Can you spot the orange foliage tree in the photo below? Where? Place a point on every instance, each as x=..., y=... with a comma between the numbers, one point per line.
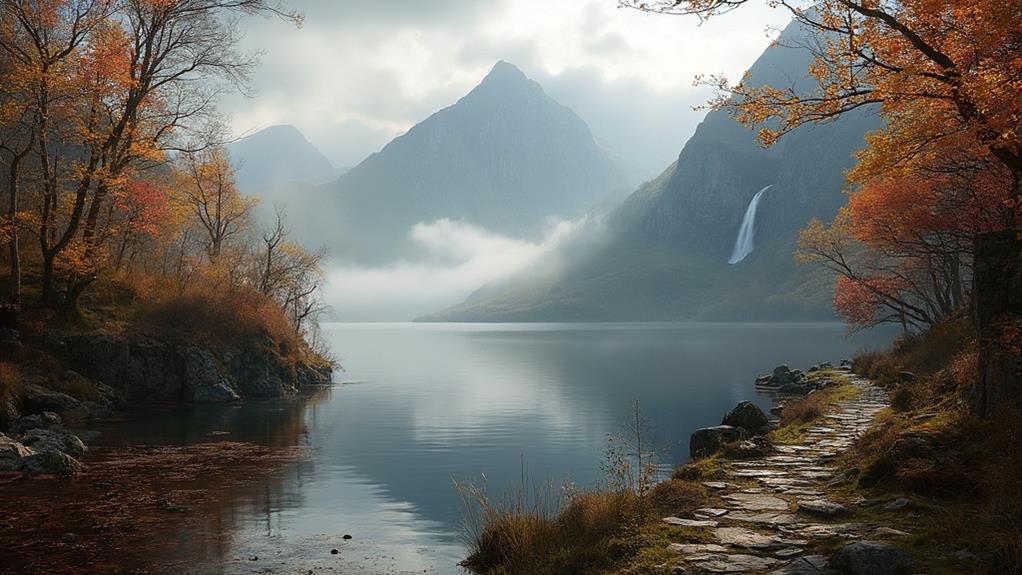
x=100, y=91
x=947, y=165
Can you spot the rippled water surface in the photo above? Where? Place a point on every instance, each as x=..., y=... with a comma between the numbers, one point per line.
x=420, y=405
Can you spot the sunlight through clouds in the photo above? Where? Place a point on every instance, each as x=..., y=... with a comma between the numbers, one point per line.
x=357, y=75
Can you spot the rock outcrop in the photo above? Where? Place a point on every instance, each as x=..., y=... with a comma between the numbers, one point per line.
x=38, y=399
x=54, y=439
x=52, y=451
x=50, y=462
x=143, y=368
x=748, y=416
x=709, y=440
x=12, y=454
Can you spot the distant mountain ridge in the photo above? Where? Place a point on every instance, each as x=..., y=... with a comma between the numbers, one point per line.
x=505, y=157
x=275, y=155
x=667, y=246
x=279, y=165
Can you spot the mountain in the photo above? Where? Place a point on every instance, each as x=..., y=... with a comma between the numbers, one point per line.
x=505, y=157
x=277, y=163
x=275, y=155
x=665, y=250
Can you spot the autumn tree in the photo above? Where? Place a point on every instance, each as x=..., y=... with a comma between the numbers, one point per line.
x=942, y=175
x=208, y=191
x=290, y=274
x=113, y=86
x=40, y=44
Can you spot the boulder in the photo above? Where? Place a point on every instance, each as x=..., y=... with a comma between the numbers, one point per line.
x=911, y=445
x=782, y=375
x=44, y=420
x=50, y=463
x=12, y=454
x=38, y=399
x=752, y=448
x=54, y=439
x=746, y=415
x=709, y=440
x=872, y=558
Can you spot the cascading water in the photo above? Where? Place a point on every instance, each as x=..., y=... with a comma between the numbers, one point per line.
x=743, y=243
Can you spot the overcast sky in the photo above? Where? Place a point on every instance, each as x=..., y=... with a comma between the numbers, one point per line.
x=359, y=73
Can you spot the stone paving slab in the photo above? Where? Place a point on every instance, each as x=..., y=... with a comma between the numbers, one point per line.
x=777, y=505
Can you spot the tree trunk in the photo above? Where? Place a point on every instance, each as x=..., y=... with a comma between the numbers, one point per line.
x=997, y=292
x=74, y=293
x=47, y=289
x=12, y=212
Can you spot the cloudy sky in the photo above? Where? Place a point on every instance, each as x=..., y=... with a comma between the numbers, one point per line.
x=359, y=73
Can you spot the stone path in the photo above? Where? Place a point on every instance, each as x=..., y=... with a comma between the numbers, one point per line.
x=773, y=511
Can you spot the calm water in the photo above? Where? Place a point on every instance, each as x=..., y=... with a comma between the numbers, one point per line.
x=419, y=405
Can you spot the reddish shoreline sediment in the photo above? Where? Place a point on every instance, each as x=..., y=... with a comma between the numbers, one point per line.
x=135, y=510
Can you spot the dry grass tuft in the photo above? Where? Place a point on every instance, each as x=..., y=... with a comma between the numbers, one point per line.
x=587, y=533
x=968, y=478
x=202, y=313
x=703, y=469
x=677, y=497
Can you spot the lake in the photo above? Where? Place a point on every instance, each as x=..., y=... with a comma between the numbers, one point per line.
x=420, y=405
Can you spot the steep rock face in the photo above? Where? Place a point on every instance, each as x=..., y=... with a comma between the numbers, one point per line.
x=147, y=369
x=505, y=157
x=669, y=242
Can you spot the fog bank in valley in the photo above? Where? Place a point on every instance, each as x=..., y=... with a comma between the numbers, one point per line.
x=458, y=257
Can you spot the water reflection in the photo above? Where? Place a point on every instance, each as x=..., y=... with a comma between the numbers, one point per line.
x=437, y=402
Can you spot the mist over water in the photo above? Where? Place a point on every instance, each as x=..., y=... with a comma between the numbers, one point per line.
x=455, y=258
x=747, y=231
x=419, y=405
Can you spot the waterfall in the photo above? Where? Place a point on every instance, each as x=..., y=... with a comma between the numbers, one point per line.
x=743, y=243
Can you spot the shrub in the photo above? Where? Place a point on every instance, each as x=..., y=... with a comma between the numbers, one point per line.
x=880, y=367
x=677, y=497
x=521, y=535
x=704, y=469
x=901, y=398
x=222, y=316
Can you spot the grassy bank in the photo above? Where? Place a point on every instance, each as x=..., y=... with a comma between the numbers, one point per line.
x=961, y=479
x=963, y=476
x=615, y=531
x=216, y=317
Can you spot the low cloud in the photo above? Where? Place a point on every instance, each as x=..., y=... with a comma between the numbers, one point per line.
x=461, y=258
